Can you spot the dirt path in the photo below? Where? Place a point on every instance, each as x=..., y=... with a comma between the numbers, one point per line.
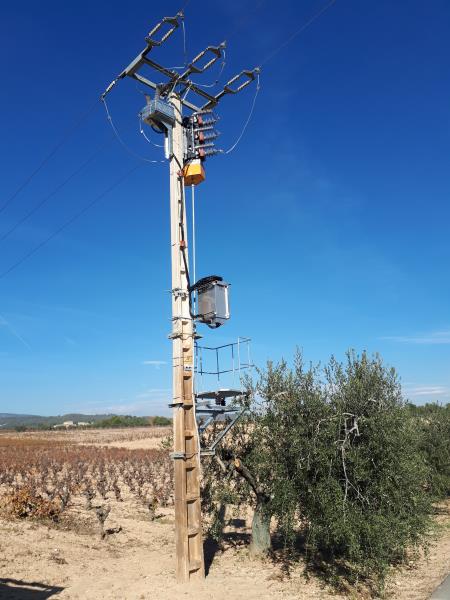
x=71, y=562
x=418, y=580
x=138, y=563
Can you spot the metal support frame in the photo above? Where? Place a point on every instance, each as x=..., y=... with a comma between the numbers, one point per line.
x=174, y=79
x=211, y=450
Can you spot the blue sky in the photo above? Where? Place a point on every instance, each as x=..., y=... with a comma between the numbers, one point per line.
x=330, y=219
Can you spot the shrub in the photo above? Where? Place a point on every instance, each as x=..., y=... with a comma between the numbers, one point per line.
x=161, y=421
x=123, y=421
x=25, y=503
x=433, y=422
x=336, y=450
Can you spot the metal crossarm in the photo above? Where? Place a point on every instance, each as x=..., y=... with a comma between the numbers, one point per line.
x=211, y=54
x=151, y=43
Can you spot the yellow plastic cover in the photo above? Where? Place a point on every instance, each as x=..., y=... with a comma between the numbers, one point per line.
x=194, y=173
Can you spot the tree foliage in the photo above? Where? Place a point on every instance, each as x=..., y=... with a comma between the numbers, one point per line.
x=333, y=453
x=433, y=422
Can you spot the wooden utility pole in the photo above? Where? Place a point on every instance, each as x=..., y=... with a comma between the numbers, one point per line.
x=157, y=113
x=188, y=526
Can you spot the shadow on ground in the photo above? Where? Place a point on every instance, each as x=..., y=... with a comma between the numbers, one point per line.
x=230, y=540
x=14, y=589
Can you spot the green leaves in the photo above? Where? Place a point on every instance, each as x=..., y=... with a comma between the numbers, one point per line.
x=341, y=456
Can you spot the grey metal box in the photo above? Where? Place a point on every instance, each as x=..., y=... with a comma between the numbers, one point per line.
x=158, y=110
x=213, y=303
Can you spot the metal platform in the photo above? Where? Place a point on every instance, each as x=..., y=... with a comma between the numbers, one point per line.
x=220, y=396
x=214, y=404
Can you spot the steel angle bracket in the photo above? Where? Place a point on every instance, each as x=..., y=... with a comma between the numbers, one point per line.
x=130, y=70
x=175, y=455
x=193, y=67
x=210, y=450
x=151, y=43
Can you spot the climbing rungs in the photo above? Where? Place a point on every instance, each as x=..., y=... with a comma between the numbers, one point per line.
x=192, y=497
x=193, y=531
x=188, y=433
x=195, y=565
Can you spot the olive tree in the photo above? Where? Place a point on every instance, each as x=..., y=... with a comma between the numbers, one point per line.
x=331, y=451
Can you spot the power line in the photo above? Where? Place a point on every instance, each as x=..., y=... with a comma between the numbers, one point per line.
x=245, y=19
x=248, y=118
x=58, y=146
x=120, y=140
x=51, y=194
x=68, y=222
x=146, y=138
x=298, y=31
x=272, y=54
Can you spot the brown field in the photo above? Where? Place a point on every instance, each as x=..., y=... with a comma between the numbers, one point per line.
x=59, y=542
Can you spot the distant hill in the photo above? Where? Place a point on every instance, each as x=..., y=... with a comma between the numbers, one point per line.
x=14, y=421
x=11, y=420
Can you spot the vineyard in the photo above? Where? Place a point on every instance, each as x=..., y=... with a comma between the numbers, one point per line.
x=94, y=519
x=46, y=479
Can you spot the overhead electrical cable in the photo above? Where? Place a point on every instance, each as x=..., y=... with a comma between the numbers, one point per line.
x=52, y=153
x=69, y=222
x=309, y=22
x=120, y=140
x=297, y=32
x=184, y=65
x=219, y=75
x=248, y=118
x=245, y=19
x=146, y=138
x=53, y=193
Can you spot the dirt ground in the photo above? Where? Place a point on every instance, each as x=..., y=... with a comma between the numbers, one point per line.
x=70, y=560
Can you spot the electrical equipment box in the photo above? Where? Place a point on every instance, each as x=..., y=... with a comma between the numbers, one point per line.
x=158, y=112
x=193, y=172
x=212, y=301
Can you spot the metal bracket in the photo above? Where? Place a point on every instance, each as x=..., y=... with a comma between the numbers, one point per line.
x=173, y=78
x=174, y=404
x=176, y=455
x=210, y=450
x=180, y=293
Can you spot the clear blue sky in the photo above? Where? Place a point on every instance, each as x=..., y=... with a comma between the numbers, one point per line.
x=330, y=219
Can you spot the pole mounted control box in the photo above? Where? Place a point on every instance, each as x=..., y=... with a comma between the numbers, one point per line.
x=213, y=307
x=158, y=113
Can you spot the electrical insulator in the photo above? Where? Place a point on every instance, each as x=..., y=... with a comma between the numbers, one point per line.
x=200, y=134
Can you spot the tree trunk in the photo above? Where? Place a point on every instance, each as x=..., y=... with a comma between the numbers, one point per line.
x=261, y=542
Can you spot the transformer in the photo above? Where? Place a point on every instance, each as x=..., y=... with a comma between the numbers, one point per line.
x=212, y=301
